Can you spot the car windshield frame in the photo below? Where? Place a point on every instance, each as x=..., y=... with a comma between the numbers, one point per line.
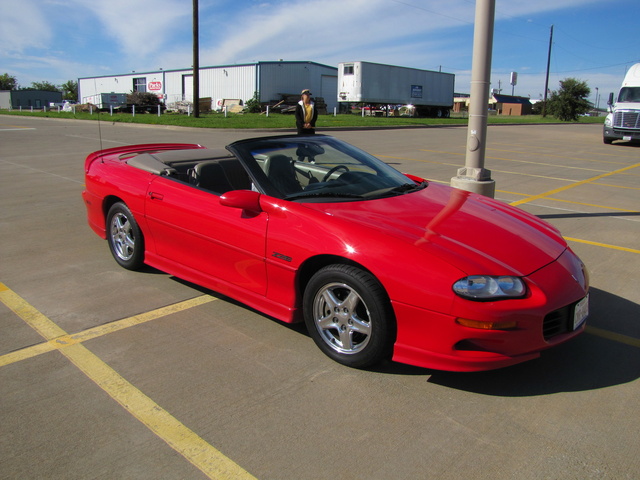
x=318, y=168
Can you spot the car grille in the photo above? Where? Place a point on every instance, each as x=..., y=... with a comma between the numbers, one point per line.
x=558, y=321
x=626, y=119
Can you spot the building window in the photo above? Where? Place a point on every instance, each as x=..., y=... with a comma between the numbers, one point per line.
x=140, y=84
x=348, y=70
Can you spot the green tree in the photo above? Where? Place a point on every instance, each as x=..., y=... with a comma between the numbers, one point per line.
x=142, y=99
x=46, y=86
x=7, y=82
x=69, y=90
x=253, y=104
x=570, y=101
x=143, y=102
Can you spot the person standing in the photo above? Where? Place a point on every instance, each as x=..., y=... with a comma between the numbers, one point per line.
x=306, y=114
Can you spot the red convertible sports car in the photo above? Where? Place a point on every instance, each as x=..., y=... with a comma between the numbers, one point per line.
x=377, y=263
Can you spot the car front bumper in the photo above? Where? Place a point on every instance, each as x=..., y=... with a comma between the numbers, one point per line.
x=552, y=313
x=612, y=133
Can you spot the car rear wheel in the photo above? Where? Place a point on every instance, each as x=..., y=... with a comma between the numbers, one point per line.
x=349, y=316
x=125, y=238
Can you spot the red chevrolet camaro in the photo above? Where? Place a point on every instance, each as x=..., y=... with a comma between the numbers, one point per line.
x=377, y=263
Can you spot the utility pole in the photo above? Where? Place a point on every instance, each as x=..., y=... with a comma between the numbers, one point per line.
x=546, y=82
x=473, y=176
x=196, y=61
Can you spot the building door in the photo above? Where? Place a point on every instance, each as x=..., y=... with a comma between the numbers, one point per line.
x=187, y=88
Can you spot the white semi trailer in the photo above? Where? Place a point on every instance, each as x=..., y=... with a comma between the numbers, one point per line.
x=431, y=93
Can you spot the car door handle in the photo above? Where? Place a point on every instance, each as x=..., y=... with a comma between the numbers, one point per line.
x=156, y=196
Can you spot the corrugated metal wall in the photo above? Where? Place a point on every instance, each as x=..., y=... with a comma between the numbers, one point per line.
x=237, y=81
x=271, y=79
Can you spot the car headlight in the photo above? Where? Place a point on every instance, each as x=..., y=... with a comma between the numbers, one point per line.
x=608, y=121
x=487, y=287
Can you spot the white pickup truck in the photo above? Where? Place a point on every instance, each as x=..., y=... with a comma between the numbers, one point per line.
x=623, y=120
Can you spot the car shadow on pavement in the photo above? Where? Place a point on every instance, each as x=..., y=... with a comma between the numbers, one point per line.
x=588, y=362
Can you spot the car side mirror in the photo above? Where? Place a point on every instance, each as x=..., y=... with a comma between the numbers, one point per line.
x=610, y=101
x=244, y=199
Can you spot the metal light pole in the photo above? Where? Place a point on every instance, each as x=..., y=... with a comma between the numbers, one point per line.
x=196, y=61
x=473, y=177
x=546, y=82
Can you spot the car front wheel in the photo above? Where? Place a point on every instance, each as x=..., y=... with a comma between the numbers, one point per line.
x=125, y=238
x=349, y=316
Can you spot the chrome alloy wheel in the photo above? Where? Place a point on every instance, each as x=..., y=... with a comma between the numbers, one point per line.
x=122, y=236
x=342, y=318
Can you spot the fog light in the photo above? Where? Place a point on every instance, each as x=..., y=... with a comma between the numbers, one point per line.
x=487, y=325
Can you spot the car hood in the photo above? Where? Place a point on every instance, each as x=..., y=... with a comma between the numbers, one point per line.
x=476, y=234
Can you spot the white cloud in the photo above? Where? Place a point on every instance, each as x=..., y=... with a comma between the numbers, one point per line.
x=325, y=29
x=61, y=39
x=140, y=28
x=22, y=26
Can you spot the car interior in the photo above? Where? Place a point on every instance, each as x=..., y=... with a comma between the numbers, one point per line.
x=218, y=172
x=287, y=171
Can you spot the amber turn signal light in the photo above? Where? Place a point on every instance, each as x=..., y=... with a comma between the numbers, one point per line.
x=487, y=325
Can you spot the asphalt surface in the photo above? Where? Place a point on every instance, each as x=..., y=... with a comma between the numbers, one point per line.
x=112, y=374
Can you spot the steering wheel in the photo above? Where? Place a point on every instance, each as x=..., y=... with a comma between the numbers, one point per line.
x=333, y=170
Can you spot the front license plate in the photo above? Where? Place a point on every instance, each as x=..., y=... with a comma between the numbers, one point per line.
x=627, y=138
x=581, y=312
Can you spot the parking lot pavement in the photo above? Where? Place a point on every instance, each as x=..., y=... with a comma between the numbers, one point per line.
x=107, y=373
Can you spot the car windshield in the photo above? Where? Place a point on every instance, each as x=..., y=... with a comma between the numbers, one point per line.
x=319, y=168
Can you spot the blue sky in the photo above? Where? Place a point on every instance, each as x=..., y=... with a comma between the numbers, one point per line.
x=59, y=40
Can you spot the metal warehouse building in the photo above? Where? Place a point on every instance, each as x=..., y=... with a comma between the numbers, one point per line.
x=270, y=79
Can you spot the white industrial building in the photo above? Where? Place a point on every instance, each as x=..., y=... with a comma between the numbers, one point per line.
x=270, y=79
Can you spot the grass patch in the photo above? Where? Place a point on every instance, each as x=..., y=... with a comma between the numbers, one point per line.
x=280, y=121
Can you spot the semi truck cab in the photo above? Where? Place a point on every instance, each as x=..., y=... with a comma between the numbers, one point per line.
x=623, y=120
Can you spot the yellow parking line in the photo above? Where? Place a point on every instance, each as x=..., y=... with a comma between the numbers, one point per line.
x=66, y=340
x=605, y=245
x=14, y=127
x=528, y=148
x=544, y=164
x=616, y=337
x=592, y=205
x=540, y=154
x=523, y=161
x=183, y=440
x=493, y=170
x=576, y=184
x=614, y=186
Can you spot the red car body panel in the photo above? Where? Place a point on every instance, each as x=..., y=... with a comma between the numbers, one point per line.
x=416, y=245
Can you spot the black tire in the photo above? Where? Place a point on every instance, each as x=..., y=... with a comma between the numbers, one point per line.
x=607, y=140
x=125, y=238
x=349, y=316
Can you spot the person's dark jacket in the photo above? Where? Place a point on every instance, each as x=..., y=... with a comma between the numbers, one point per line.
x=300, y=118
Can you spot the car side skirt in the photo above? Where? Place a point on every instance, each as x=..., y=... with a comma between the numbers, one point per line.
x=259, y=302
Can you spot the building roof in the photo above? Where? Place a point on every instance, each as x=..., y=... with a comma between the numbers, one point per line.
x=293, y=62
